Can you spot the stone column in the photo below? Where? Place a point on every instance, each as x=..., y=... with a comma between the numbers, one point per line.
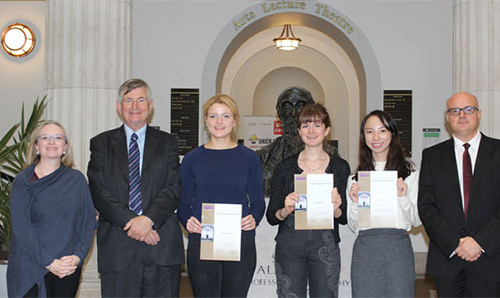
x=88, y=56
x=477, y=58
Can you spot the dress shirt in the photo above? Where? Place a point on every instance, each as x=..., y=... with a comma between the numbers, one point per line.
x=141, y=138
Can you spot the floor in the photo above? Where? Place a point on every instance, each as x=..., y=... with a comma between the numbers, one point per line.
x=424, y=287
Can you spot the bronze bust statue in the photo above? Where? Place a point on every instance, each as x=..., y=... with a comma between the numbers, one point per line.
x=290, y=103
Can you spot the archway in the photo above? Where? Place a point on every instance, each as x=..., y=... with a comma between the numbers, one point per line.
x=250, y=33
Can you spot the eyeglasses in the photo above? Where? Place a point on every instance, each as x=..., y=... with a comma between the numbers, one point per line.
x=57, y=138
x=468, y=110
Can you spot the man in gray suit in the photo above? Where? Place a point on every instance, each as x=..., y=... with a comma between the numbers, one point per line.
x=134, y=180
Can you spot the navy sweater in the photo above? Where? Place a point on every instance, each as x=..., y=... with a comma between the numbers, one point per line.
x=232, y=176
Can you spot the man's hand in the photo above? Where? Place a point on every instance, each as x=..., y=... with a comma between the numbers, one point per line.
x=139, y=227
x=468, y=249
x=152, y=238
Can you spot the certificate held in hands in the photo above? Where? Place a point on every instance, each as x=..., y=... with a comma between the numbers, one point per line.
x=314, y=210
x=377, y=199
x=221, y=232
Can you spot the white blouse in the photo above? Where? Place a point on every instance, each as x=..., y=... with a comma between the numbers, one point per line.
x=407, y=211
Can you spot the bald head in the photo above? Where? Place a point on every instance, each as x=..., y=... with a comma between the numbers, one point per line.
x=461, y=97
x=465, y=126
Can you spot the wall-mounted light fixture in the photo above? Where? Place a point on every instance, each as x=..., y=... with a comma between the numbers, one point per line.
x=287, y=41
x=18, y=40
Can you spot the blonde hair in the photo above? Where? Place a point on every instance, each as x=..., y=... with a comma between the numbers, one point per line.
x=227, y=101
x=33, y=158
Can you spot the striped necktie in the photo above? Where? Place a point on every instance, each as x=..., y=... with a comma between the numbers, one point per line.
x=134, y=176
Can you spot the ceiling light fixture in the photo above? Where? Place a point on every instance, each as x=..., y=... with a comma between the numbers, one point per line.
x=287, y=41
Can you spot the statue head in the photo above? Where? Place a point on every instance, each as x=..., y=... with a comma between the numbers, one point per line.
x=290, y=103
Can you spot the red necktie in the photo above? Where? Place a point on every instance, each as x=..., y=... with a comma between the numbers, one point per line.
x=467, y=176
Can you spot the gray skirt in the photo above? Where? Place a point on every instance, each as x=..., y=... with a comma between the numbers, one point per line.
x=383, y=264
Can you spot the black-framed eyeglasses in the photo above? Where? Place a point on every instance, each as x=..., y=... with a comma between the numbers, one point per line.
x=468, y=110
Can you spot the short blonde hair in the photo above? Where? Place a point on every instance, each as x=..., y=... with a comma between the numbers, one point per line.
x=230, y=103
x=33, y=158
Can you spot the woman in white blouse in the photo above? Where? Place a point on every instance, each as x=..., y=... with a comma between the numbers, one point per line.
x=382, y=259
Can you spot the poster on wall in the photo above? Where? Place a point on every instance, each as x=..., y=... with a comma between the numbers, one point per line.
x=184, y=121
x=260, y=131
x=398, y=103
x=430, y=137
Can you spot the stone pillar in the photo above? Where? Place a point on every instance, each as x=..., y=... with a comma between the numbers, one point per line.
x=88, y=56
x=477, y=58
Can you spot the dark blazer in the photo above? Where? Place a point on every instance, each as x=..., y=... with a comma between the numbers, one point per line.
x=440, y=209
x=161, y=192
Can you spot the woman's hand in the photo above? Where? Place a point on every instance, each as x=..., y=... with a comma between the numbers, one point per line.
x=248, y=223
x=290, y=203
x=290, y=200
x=336, y=201
x=353, y=192
x=402, y=187
x=74, y=260
x=193, y=226
x=61, y=268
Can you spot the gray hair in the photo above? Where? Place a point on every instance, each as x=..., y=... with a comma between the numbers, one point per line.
x=132, y=84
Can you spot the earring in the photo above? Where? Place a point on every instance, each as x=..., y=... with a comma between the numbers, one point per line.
x=37, y=153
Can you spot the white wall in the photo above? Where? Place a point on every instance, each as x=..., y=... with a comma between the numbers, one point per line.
x=21, y=79
x=413, y=42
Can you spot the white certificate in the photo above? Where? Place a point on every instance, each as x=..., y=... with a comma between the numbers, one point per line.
x=223, y=221
x=227, y=230
x=384, y=199
x=319, y=200
x=314, y=210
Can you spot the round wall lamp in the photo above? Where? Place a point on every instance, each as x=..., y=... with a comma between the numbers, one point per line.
x=18, y=40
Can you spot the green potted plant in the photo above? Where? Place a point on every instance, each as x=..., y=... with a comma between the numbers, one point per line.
x=13, y=149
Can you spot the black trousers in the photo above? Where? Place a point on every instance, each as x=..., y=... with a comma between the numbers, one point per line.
x=142, y=278
x=221, y=278
x=58, y=287
x=466, y=285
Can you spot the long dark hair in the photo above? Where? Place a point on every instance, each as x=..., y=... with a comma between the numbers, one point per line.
x=396, y=160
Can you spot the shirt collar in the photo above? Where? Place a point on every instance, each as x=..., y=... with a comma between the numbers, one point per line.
x=141, y=133
x=474, y=142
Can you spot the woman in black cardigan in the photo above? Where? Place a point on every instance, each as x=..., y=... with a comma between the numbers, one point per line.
x=307, y=256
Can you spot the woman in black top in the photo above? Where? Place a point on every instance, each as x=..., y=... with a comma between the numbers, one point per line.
x=307, y=256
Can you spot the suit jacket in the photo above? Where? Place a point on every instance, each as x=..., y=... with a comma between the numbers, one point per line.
x=441, y=211
x=161, y=192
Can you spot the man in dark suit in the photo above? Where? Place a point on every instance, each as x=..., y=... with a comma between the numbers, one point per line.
x=134, y=180
x=459, y=205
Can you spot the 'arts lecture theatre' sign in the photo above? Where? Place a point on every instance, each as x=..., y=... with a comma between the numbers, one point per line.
x=275, y=6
